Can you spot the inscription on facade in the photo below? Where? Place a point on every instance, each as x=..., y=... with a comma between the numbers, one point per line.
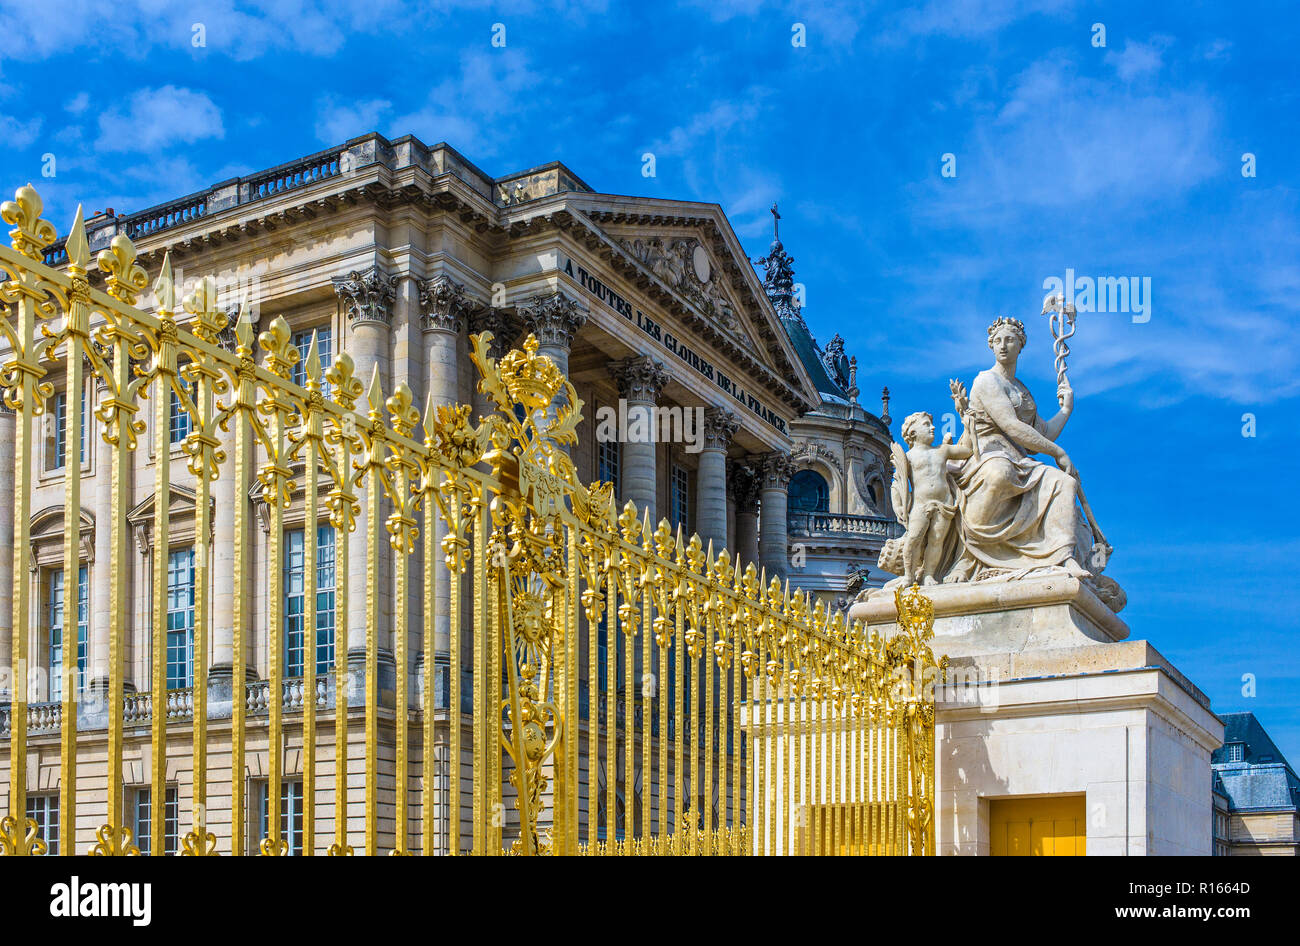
x=675, y=346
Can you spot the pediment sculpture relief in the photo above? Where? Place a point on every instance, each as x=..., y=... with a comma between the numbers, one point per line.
x=685, y=265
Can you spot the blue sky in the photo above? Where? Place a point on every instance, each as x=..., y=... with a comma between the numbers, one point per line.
x=1122, y=160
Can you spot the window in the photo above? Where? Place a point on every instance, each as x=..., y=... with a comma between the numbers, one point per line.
x=679, y=504
x=1236, y=752
x=54, y=614
x=295, y=589
x=809, y=492
x=44, y=810
x=178, y=423
x=290, y=814
x=180, y=618
x=142, y=812
x=324, y=348
x=61, y=429
x=607, y=462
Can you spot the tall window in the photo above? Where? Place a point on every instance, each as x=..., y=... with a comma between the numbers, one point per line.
x=607, y=465
x=44, y=810
x=142, y=812
x=679, y=503
x=55, y=618
x=295, y=586
x=324, y=348
x=290, y=814
x=180, y=618
x=61, y=429
x=809, y=493
x=178, y=419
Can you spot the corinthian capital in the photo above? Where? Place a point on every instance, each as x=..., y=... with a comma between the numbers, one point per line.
x=554, y=318
x=720, y=425
x=640, y=378
x=742, y=479
x=776, y=468
x=366, y=295
x=443, y=304
x=498, y=322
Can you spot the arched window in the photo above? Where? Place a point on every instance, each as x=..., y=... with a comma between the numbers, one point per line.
x=809, y=492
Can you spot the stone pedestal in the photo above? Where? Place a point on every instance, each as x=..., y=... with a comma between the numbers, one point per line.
x=1047, y=699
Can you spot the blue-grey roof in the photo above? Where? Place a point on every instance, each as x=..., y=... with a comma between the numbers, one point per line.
x=1263, y=779
x=810, y=354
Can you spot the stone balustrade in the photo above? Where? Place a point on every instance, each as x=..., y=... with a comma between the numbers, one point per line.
x=836, y=525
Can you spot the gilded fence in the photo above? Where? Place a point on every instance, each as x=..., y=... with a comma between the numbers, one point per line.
x=613, y=687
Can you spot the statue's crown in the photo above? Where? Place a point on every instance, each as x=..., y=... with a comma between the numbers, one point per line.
x=1016, y=324
x=533, y=380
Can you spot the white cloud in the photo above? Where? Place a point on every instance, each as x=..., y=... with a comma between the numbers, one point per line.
x=1137, y=60
x=968, y=18
x=78, y=103
x=18, y=134
x=156, y=118
x=336, y=123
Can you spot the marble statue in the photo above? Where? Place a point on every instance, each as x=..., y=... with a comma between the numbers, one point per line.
x=986, y=508
x=927, y=511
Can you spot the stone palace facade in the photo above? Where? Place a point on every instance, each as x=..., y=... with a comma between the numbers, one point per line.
x=396, y=252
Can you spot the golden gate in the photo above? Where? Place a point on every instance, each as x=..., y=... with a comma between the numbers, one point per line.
x=628, y=691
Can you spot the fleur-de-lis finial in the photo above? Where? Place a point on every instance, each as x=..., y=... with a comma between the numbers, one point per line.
x=202, y=304
x=126, y=278
x=30, y=234
x=281, y=353
x=343, y=381
x=401, y=410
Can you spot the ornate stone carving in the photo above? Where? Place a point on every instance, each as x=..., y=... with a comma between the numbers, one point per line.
x=553, y=318
x=443, y=304
x=720, y=425
x=684, y=265
x=775, y=470
x=498, y=322
x=778, y=274
x=807, y=452
x=836, y=362
x=366, y=296
x=743, y=480
x=639, y=378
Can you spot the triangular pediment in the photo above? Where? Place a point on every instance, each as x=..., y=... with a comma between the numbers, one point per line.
x=180, y=502
x=683, y=263
x=688, y=252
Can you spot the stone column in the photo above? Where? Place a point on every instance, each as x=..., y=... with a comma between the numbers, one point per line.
x=720, y=426
x=773, y=539
x=504, y=331
x=442, y=308
x=366, y=300
x=7, y=425
x=555, y=320
x=775, y=474
x=744, y=488
x=640, y=380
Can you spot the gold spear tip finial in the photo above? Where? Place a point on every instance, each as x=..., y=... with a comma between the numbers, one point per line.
x=78, y=246
x=164, y=286
x=313, y=360
x=375, y=394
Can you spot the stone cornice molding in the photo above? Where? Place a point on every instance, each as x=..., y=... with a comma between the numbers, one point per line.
x=444, y=305
x=720, y=426
x=366, y=295
x=553, y=318
x=807, y=452
x=639, y=378
x=775, y=469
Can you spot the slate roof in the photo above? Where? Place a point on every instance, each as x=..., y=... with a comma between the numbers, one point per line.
x=1263, y=780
